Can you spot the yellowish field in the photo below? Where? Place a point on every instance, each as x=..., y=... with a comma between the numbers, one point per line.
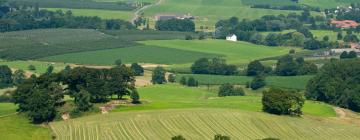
x=199, y=124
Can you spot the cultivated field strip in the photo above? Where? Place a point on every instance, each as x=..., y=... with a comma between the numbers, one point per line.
x=198, y=124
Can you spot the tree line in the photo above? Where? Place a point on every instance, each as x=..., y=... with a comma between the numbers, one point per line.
x=14, y=17
x=184, y=25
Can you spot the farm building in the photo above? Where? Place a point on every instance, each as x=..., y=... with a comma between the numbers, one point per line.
x=172, y=16
x=344, y=23
x=231, y=37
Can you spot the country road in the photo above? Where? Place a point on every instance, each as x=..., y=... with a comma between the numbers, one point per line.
x=137, y=12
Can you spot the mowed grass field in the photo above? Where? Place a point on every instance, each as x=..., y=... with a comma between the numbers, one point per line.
x=199, y=124
x=174, y=52
x=105, y=14
x=291, y=82
x=17, y=127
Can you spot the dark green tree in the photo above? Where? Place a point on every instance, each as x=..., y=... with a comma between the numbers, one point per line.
x=226, y=90
x=255, y=68
x=158, y=75
x=83, y=100
x=286, y=66
x=32, y=67
x=50, y=69
x=5, y=76
x=172, y=78
x=183, y=81
x=201, y=66
x=137, y=69
x=257, y=82
x=192, y=82
x=19, y=77
x=118, y=62
x=135, y=97
x=282, y=102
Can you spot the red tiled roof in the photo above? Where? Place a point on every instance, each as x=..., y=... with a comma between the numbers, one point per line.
x=345, y=23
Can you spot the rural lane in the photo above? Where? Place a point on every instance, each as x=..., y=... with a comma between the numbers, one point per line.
x=137, y=12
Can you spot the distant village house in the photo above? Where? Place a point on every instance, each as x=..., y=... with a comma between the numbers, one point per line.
x=231, y=37
x=345, y=24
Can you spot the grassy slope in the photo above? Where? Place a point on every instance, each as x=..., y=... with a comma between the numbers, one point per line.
x=40, y=66
x=18, y=127
x=234, y=52
x=293, y=82
x=174, y=96
x=199, y=124
x=105, y=14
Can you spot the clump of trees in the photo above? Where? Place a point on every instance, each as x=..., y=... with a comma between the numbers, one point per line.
x=258, y=82
x=137, y=69
x=255, y=68
x=282, y=102
x=158, y=76
x=337, y=83
x=40, y=97
x=288, y=66
x=172, y=78
x=184, y=25
x=216, y=66
x=346, y=55
x=190, y=82
x=230, y=90
x=15, y=17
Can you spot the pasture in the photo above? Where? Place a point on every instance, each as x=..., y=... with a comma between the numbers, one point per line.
x=18, y=127
x=291, y=82
x=104, y=14
x=327, y=3
x=40, y=66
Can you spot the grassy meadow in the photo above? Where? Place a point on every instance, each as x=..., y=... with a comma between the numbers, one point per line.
x=105, y=14
x=327, y=3
x=39, y=65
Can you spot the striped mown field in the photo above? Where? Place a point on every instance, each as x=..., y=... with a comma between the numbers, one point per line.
x=196, y=124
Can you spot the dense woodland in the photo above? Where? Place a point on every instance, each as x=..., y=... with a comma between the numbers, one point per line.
x=184, y=25
x=337, y=83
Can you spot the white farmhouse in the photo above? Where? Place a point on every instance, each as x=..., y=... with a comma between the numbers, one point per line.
x=231, y=37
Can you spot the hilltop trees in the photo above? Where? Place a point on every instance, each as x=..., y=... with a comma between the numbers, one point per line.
x=185, y=25
x=40, y=97
x=158, y=76
x=337, y=83
x=281, y=102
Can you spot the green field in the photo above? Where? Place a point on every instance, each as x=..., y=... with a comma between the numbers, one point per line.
x=105, y=14
x=292, y=82
x=140, y=54
x=327, y=3
x=18, y=127
x=179, y=97
x=235, y=52
x=174, y=52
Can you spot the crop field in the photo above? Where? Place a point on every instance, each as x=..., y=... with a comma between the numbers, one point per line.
x=34, y=44
x=292, y=82
x=105, y=14
x=199, y=124
x=140, y=54
x=234, y=52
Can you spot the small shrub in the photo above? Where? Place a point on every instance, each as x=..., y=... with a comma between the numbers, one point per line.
x=192, y=82
x=179, y=137
x=183, y=81
x=32, y=67
x=172, y=78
